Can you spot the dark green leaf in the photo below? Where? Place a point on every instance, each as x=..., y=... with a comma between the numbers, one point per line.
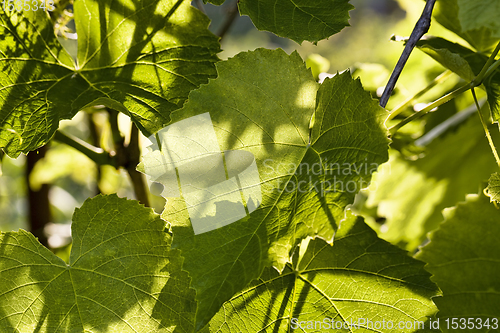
x=453, y=56
x=215, y=2
x=451, y=16
x=492, y=85
x=140, y=58
x=480, y=14
x=298, y=20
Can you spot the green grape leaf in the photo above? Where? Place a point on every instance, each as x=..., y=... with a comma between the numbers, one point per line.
x=463, y=256
x=493, y=189
x=480, y=14
x=139, y=58
x=412, y=194
x=344, y=287
x=467, y=64
x=35, y=73
x=298, y=20
x=263, y=103
x=455, y=18
x=122, y=276
x=492, y=85
x=453, y=56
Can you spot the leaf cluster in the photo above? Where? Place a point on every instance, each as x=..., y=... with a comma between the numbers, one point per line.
x=304, y=255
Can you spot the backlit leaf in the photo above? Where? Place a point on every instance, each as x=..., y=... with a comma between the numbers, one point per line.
x=360, y=284
x=122, y=276
x=463, y=256
x=493, y=190
x=141, y=58
x=262, y=102
x=412, y=194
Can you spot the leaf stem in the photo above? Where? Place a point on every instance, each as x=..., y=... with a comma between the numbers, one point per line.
x=400, y=108
x=429, y=107
x=486, y=68
x=302, y=251
x=98, y=155
x=485, y=127
x=492, y=69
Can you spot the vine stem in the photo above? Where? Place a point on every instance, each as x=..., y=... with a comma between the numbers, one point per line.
x=421, y=28
x=94, y=138
x=137, y=178
x=98, y=155
x=39, y=214
x=129, y=156
x=199, y=5
x=232, y=13
x=485, y=127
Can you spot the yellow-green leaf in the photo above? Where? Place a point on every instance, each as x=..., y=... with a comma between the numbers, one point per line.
x=122, y=276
